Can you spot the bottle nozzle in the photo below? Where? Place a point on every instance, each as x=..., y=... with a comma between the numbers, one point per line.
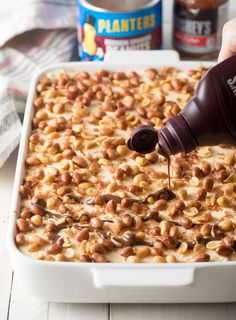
x=175, y=137
x=143, y=139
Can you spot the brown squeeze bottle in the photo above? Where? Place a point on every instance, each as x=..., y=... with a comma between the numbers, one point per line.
x=208, y=119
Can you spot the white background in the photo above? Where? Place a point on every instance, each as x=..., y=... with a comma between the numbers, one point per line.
x=15, y=305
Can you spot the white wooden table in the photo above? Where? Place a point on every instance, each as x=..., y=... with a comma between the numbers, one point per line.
x=16, y=305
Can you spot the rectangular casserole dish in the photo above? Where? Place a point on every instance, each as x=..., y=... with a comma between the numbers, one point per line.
x=115, y=282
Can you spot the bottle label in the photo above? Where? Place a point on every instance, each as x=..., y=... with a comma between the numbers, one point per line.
x=198, y=30
x=232, y=84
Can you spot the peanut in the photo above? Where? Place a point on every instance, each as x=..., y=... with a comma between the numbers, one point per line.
x=127, y=251
x=80, y=162
x=224, y=251
x=186, y=222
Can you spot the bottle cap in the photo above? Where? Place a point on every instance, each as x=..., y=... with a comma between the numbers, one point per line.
x=143, y=139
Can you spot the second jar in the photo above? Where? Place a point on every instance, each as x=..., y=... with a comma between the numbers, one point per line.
x=198, y=26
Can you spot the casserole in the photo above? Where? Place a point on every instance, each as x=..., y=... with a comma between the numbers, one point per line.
x=85, y=282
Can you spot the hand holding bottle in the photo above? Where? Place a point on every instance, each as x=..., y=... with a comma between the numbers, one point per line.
x=228, y=47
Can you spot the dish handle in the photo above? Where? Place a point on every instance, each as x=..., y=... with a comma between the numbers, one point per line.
x=155, y=277
x=137, y=57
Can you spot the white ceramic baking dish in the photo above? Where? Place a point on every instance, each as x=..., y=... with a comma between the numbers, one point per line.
x=113, y=282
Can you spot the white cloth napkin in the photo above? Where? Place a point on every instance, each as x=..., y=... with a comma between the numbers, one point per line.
x=37, y=33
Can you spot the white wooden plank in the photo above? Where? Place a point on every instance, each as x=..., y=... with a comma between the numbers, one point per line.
x=72, y=311
x=25, y=307
x=173, y=311
x=88, y=311
x=6, y=184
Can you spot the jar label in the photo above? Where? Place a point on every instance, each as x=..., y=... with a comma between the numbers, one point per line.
x=101, y=31
x=198, y=30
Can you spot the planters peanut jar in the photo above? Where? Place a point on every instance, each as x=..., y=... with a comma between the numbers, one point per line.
x=118, y=25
